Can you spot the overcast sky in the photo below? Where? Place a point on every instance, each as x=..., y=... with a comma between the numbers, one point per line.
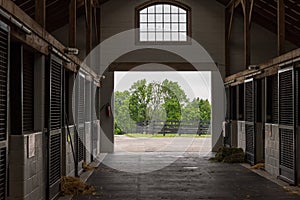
x=195, y=84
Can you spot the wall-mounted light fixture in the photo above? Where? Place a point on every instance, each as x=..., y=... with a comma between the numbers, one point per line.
x=15, y=22
x=253, y=67
x=71, y=51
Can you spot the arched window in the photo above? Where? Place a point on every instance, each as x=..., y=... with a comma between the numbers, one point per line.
x=163, y=22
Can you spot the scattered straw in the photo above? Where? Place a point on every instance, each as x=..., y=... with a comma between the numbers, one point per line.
x=292, y=189
x=258, y=166
x=88, y=167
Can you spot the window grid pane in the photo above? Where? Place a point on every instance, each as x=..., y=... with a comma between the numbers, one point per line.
x=163, y=22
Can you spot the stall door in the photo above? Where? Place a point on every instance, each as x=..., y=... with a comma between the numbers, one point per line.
x=227, y=134
x=4, y=55
x=94, y=122
x=249, y=120
x=54, y=106
x=80, y=118
x=287, y=109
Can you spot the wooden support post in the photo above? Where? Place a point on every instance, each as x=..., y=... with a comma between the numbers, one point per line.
x=98, y=23
x=280, y=27
x=89, y=22
x=40, y=12
x=95, y=23
x=72, y=24
x=234, y=3
x=251, y=11
x=227, y=41
x=247, y=43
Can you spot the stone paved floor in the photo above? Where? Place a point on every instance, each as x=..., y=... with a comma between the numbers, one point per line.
x=176, y=175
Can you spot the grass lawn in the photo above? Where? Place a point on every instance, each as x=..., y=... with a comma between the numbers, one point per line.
x=167, y=135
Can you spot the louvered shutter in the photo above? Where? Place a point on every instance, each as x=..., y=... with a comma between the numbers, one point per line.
x=249, y=120
x=54, y=125
x=286, y=91
x=4, y=74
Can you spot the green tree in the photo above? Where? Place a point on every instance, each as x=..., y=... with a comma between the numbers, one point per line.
x=121, y=112
x=174, y=99
x=156, y=101
x=205, y=110
x=198, y=109
x=191, y=111
x=141, y=94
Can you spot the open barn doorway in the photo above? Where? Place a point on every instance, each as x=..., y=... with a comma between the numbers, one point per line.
x=162, y=111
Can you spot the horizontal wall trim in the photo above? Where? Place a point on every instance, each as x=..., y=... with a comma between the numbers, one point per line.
x=269, y=68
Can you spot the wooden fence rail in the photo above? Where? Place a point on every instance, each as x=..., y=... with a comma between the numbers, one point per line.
x=171, y=127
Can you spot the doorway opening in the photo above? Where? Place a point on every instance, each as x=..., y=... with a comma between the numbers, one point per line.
x=162, y=111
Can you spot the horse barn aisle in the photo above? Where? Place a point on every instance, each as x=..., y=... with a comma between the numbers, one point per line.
x=190, y=177
x=58, y=60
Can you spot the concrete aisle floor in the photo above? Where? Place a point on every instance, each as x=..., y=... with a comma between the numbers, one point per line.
x=178, y=181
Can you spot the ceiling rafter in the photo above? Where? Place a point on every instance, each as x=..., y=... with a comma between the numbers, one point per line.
x=265, y=14
x=57, y=9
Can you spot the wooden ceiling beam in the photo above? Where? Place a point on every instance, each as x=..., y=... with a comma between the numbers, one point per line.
x=247, y=39
x=290, y=15
x=89, y=26
x=72, y=23
x=98, y=24
x=40, y=12
x=268, y=23
x=29, y=8
x=269, y=65
x=22, y=2
x=280, y=27
x=231, y=11
x=293, y=6
x=234, y=3
x=53, y=2
x=251, y=11
x=40, y=35
x=228, y=23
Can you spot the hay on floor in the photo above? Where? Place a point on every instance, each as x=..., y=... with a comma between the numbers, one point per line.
x=229, y=155
x=258, y=166
x=88, y=167
x=74, y=186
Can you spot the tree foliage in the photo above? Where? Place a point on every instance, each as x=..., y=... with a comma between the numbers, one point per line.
x=197, y=109
x=144, y=102
x=141, y=94
x=121, y=112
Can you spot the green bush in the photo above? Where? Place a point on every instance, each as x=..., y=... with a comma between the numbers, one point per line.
x=118, y=130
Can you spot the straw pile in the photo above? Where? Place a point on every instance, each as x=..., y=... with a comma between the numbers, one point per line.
x=74, y=186
x=229, y=155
